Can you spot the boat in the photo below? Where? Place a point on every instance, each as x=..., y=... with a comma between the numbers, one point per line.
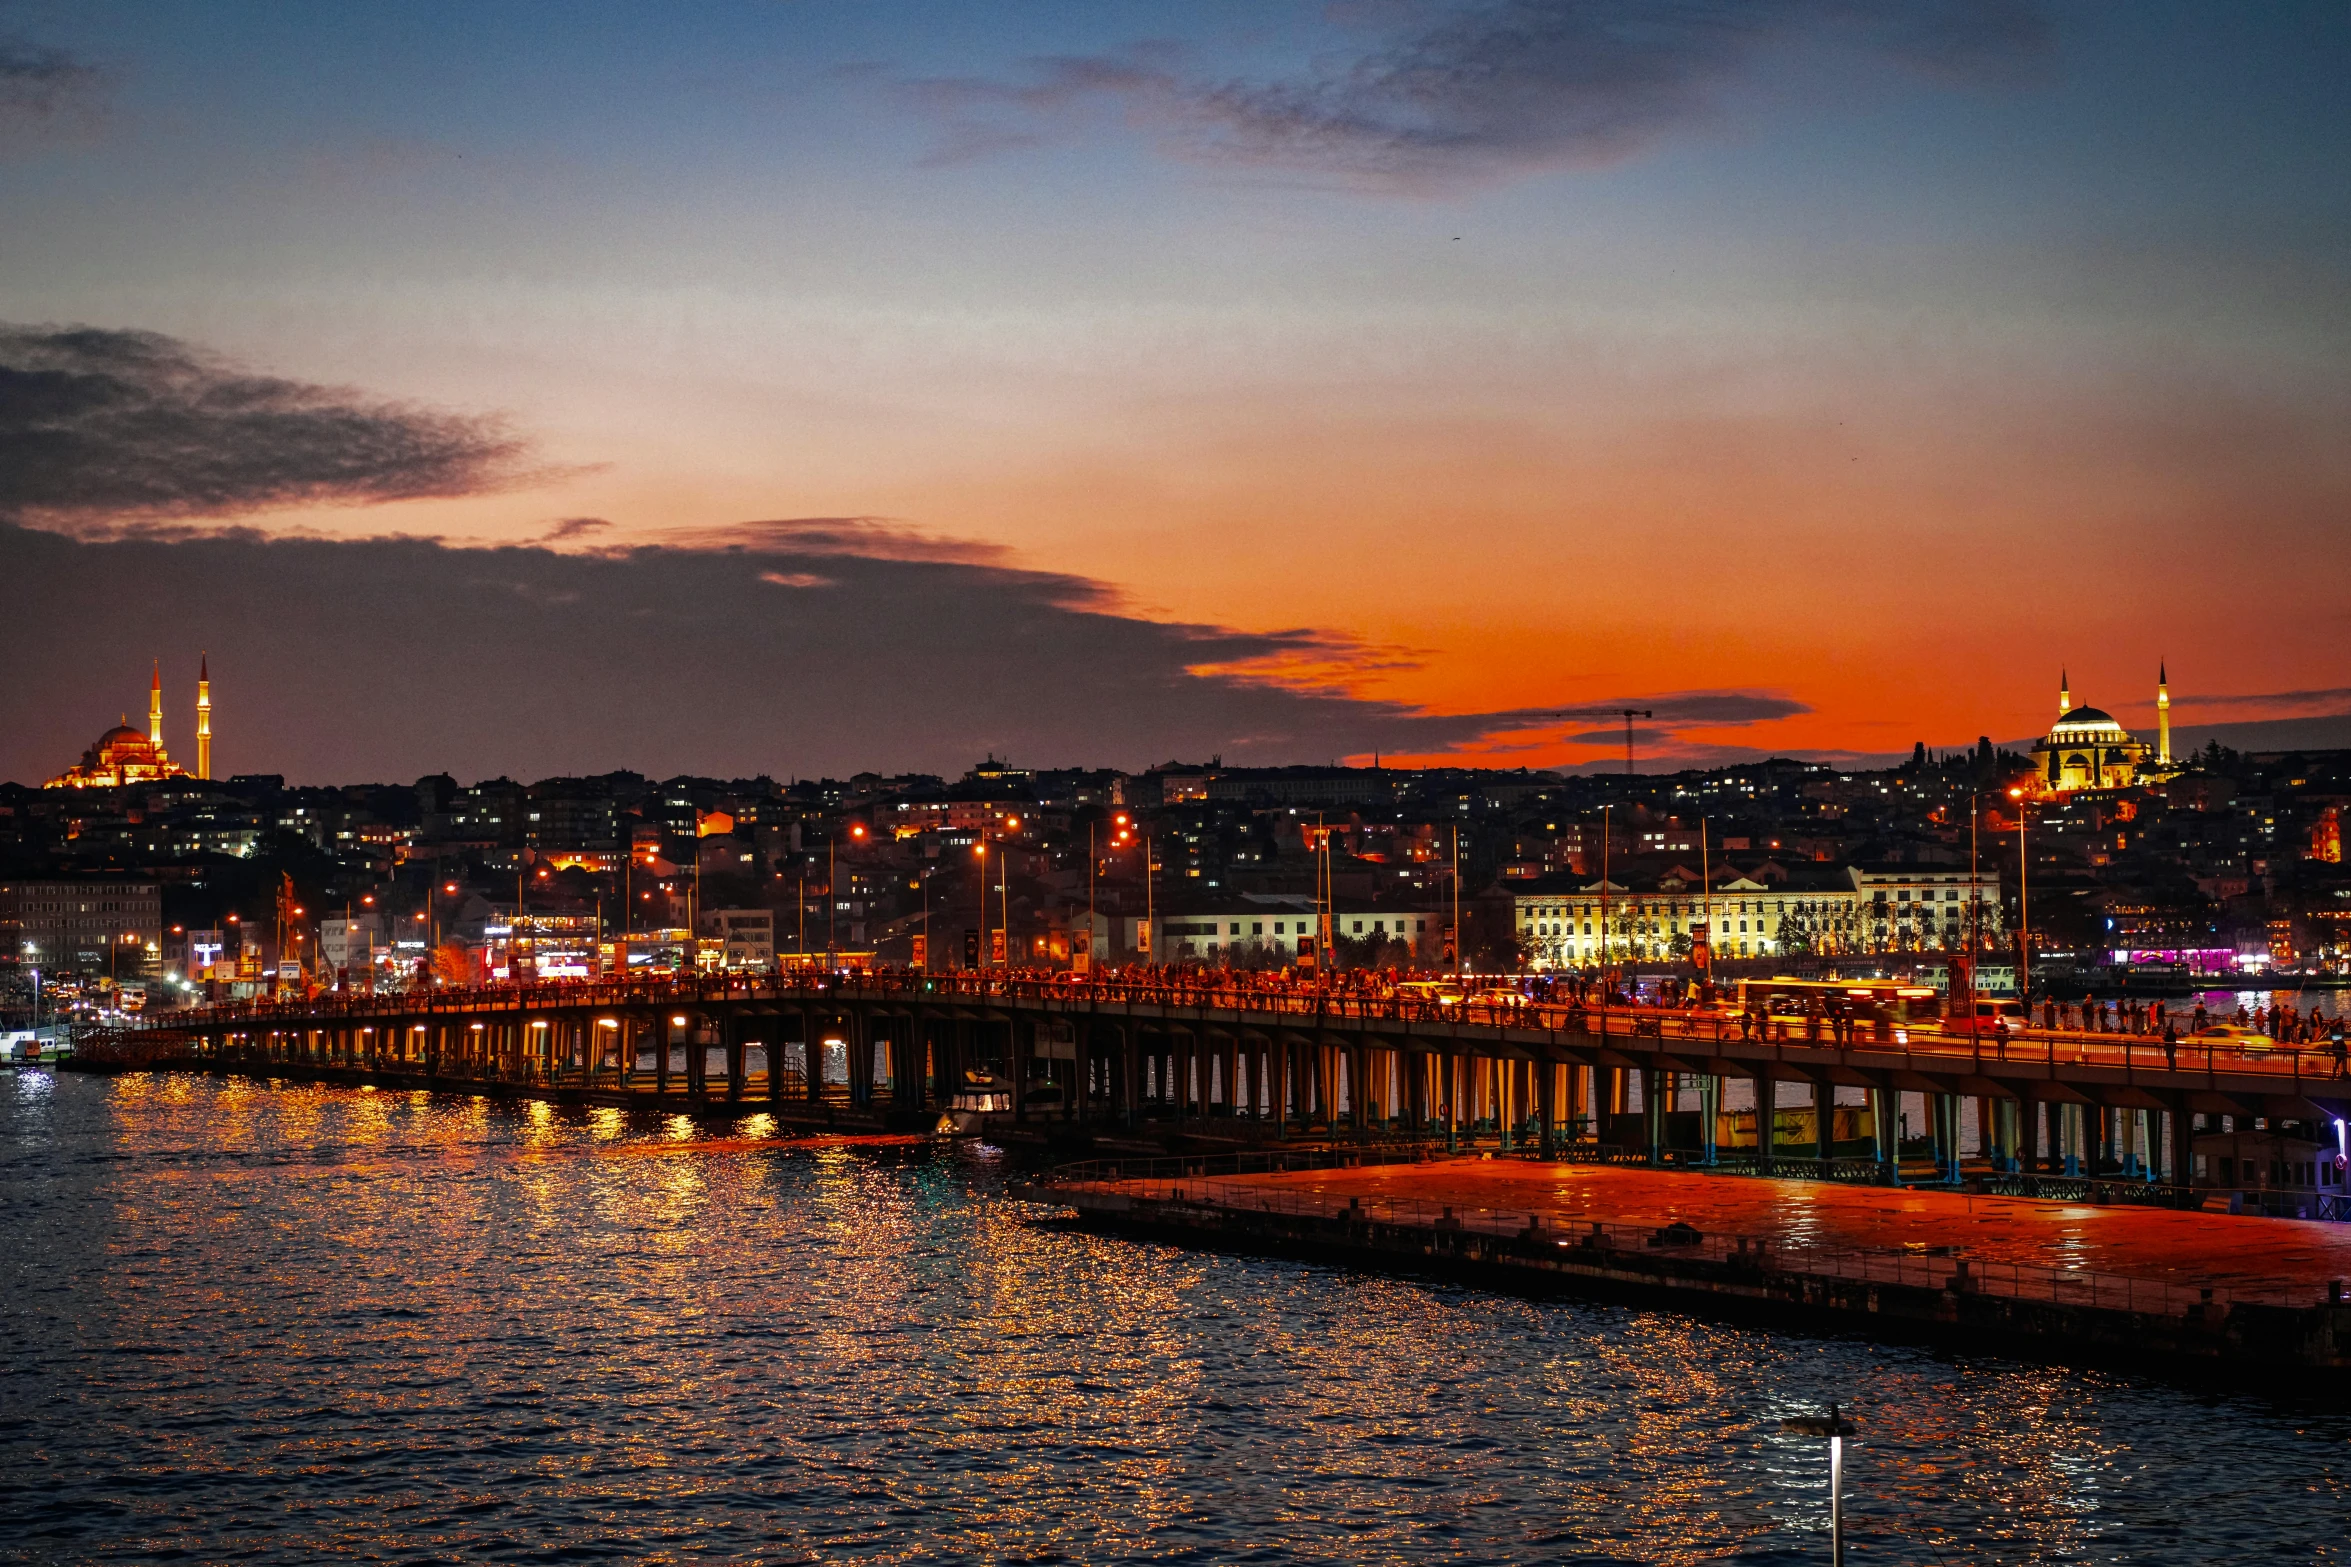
x=967, y=1110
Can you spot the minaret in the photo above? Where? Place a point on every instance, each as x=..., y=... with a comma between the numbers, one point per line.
x=2064, y=693
x=2162, y=715
x=204, y=717
x=155, y=708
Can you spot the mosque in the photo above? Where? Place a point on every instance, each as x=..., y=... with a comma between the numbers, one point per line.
x=2087, y=749
x=125, y=756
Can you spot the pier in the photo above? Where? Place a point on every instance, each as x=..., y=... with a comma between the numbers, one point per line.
x=2143, y=1289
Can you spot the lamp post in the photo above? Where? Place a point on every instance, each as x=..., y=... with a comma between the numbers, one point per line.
x=1004, y=891
x=1460, y=948
x=1836, y=1428
x=1604, y=815
x=2024, y=928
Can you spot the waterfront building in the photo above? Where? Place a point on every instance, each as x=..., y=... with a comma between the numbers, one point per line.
x=746, y=937
x=1923, y=908
x=351, y=945
x=99, y=927
x=1268, y=927
x=1767, y=909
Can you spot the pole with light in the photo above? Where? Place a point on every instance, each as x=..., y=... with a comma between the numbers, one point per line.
x=1836, y=1428
x=1004, y=892
x=2024, y=928
x=1460, y=947
x=1604, y=814
x=980, y=948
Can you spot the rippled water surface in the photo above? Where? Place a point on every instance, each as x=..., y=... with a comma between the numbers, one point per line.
x=294, y=1324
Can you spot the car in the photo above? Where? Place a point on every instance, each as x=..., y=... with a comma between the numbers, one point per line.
x=1510, y=999
x=2233, y=1036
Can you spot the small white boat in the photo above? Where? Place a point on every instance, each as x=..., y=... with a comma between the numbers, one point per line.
x=980, y=1097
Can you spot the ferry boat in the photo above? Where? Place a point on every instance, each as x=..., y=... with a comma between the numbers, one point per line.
x=968, y=1109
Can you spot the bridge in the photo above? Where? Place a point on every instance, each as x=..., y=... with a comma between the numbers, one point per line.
x=1246, y=1059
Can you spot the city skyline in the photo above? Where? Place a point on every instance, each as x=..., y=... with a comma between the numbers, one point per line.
x=2276, y=735
x=1317, y=382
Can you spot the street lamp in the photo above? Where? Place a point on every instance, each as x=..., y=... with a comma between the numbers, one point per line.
x=2024, y=928
x=1836, y=1428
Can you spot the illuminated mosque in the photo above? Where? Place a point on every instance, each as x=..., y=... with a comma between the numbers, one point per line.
x=125, y=756
x=2087, y=749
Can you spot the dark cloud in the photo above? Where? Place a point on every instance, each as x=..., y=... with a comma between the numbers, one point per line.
x=389, y=658
x=39, y=86
x=2335, y=697
x=99, y=429
x=876, y=538
x=1665, y=719
x=1483, y=91
x=574, y=528
x=1685, y=709
x=1641, y=736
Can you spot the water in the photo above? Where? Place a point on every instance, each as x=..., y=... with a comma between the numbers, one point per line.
x=291, y=1324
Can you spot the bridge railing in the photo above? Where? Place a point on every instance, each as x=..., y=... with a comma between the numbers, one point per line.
x=1937, y=1268
x=1654, y=1028
x=2103, y=1191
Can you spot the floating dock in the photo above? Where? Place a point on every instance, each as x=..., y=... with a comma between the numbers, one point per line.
x=2149, y=1289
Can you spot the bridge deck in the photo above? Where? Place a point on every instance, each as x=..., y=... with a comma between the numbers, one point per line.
x=1698, y=1040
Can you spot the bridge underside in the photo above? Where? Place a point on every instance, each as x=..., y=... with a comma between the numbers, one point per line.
x=1222, y=1075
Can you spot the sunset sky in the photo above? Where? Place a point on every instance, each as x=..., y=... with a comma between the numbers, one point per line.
x=1820, y=375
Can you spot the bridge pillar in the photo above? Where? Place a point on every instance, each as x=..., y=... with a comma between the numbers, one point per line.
x=1547, y=1108
x=857, y=1043
x=1444, y=1098
x=812, y=1050
x=1709, y=1111
x=1824, y=1112
x=1653, y=1113
x=1358, y=1109
x=1885, y=1133
x=1277, y=1085
x=1767, y=1121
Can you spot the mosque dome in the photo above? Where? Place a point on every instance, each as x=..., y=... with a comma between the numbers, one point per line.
x=124, y=755
x=2088, y=748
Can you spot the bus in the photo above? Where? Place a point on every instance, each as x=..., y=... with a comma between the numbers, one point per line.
x=1882, y=1010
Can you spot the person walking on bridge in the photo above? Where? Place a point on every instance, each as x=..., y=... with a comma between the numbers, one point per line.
x=2171, y=1047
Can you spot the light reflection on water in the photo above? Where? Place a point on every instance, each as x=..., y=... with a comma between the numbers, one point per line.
x=281, y=1324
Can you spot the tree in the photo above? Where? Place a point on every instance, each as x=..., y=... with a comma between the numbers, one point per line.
x=1792, y=936
x=452, y=963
